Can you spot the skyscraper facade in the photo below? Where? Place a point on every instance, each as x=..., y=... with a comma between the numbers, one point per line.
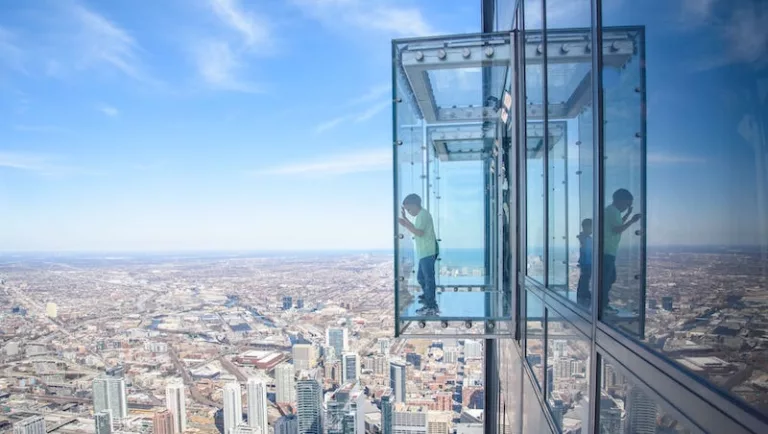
x=175, y=402
x=350, y=367
x=256, y=396
x=337, y=337
x=594, y=126
x=303, y=356
x=384, y=346
x=285, y=384
x=30, y=425
x=397, y=380
x=233, y=407
x=387, y=407
x=103, y=422
x=287, y=424
x=109, y=394
x=309, y=397
x=162, y=423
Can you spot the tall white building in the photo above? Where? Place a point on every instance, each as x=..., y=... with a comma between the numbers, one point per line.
x=303, y=357
x=338, y=338
x=350, y=367
x=309, y=403
x=51, y=310
x=176, y=404
x=287, y=425
x=384, y=346
x=233, y=407
x=256, y=394
x=641, y=411
x=30, y=425
x=473, y=349
x=397, y=380
x=409, y=422
x=285, y=384
x=109, y=394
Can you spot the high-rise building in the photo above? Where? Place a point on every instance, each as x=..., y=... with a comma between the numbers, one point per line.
x=397, y=380
x=641, y=412
x=387, y=407
x=309, y=399
x=51, y=310
x=300, y=303
x=303, y=357
x=103, y=422
x=409, y=422
x=233, y=407
x=287, y=424
x=162, y=423
x=568, y=107
x=337, y=337
x=244, y=428
x=384, y=346
x=380, y=365
x=439, y=422
x=109, y=394
x=329, y=353
x=256, y=396
x=285, y=385
x=287, y=302
x=350, y=367
x=175, y=402
x=30, y=425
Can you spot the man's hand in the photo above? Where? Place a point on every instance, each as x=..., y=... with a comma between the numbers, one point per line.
x=403, y=221
x=635, y=218
x=402, y=213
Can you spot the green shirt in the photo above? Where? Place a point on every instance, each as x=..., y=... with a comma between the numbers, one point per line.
x=611, y=239
x=427, y=243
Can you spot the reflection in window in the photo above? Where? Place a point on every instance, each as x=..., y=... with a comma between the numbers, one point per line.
x=702, y=284
x=534, y=337
x=626, y=407
x=567, y=368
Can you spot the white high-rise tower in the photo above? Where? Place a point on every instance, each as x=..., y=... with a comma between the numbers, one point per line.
x=256, y=392
x=233, y=407
x=176, y=404
x=109, y=394
x=285, y=383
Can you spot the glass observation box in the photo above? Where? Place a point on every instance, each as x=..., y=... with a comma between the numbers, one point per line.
x=463, y=121
x=449, y=181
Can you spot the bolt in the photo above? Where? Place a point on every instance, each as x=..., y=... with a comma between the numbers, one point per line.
x=419, y=56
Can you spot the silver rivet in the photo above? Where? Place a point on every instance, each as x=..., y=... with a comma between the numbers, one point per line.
x=466, y=53
x=399, y=142
x=441, y=54
x=488, y=51
x=419, y=56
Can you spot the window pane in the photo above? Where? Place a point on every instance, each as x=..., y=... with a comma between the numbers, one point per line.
x=534, y=98
x=567, y=374
x=701, y=298
x=569, y=125
x=534, y=337
x=626, y=407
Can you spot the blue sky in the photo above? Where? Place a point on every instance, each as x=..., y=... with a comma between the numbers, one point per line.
x=202, y=124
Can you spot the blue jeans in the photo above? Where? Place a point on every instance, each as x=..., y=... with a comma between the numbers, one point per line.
x=609, y=278
x=426, y=278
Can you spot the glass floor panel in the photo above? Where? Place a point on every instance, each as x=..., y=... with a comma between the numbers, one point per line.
x=459, y=306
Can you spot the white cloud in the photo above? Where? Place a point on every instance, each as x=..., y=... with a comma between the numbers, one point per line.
x=253, y=29
x=38, y=128
x=99, y=41
x=374, y=94
x=108, y=110
x=342, y=164
x=382, y=16
x=218, y=65
x=11, y=54
x=22, y=161
x=220, y=59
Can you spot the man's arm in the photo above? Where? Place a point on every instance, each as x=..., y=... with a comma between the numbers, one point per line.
x=408, y=225
x=621, y=228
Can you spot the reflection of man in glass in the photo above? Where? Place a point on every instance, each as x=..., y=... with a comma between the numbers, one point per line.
x=423, y=231
x=615, y=225
x=583, y=295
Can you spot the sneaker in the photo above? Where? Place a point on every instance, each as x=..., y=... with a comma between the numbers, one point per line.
x=428, y=311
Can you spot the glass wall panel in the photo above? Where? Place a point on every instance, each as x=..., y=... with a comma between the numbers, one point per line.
x=704, y=215
x=535, y=327
x=569, y=98
x=567, y=374
x=627, y=407
x=535, y=143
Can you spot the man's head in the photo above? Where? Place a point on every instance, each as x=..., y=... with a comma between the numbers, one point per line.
x=622, y=199
x=586, y=226
x=412, y=204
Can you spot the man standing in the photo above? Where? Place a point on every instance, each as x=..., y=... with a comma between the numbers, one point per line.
x=423, y=231
x=615, y=225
